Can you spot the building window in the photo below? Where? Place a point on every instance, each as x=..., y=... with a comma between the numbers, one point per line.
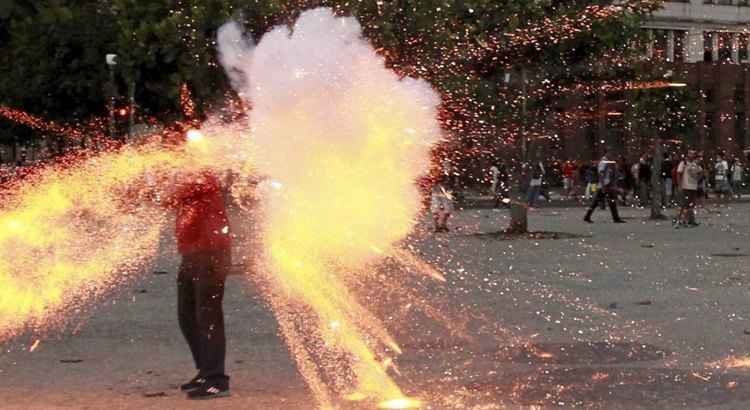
x=708, y=95
x=725, y=47
x=739, y=95
x=667, y=45
x=679, y=45
x=709, y=127
x=660, y=44
x=743, y=45
x=709, y=123
x=739, y=129
x=708, y=46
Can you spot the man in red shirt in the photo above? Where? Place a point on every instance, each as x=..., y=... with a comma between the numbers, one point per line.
x=569, y=172
x=202, y=230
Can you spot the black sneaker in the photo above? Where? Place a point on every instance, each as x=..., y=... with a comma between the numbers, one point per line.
x=620, y=221
x=209, y=391
x=193, y=384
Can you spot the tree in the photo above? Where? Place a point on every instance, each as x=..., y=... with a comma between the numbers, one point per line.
x=663, y=113
x=52, y=60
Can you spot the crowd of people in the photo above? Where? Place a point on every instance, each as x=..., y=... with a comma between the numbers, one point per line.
x=722, y=175
x=684, y=181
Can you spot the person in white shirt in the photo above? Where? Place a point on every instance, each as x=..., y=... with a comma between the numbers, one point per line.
x=721, y=178
x=737, y=170
x=495, y=177
x=441, y=203
x=689, y=173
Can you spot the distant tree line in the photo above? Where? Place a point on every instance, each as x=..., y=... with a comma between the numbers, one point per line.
x=473, y=51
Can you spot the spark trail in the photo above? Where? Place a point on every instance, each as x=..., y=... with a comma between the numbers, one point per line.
x=344, y=140
x=81, y=227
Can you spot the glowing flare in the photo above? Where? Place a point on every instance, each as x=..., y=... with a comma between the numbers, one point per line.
x=80, y=228
x=400, y=404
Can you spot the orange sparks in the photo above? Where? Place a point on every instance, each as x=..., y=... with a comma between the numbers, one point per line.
x=400, y=404
x=731, y=362
x=37, y=123
x=186, y=102
x=342, y=158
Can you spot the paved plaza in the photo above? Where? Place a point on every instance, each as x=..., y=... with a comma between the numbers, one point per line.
x=610, y=316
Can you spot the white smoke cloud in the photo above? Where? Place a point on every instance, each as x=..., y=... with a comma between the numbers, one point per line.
x=234, y=53
x=343, y=139
x=319, y=83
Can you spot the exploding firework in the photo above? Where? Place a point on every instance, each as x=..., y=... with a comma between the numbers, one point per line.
x=344, y=140
x=340, y=141
x=358, y=139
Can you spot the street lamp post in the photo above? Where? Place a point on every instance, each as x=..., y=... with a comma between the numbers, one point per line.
x=111, y=60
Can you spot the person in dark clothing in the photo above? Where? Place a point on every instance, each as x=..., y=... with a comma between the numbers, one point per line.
x=203, y=240
x=667, y=184
x=607, y=190
x=644, y=180
x=624, y=180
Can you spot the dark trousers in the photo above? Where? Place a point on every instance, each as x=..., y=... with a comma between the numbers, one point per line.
x=610, y=197
x=200, y=292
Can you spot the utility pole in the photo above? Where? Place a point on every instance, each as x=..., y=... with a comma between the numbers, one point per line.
x=519, y=222
x=111, y=60
x=131, y=108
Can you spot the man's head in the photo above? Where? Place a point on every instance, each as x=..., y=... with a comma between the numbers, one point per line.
x=692, y=155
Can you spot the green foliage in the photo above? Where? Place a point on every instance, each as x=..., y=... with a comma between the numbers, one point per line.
x=55, y=50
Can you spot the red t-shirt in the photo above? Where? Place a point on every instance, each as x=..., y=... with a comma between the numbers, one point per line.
x=202, y=223
x=569, y=170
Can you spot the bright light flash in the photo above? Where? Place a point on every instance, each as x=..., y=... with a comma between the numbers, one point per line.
x=400, y=404
x=194, y=136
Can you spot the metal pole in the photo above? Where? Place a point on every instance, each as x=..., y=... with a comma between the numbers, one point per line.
x=524, y=147
x=112, y=102
x=131, y=109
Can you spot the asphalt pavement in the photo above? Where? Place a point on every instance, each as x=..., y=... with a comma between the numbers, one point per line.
x=574, y=315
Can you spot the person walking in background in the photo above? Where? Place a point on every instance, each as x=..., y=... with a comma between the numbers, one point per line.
x=607, y=191
x=721, y=178
x=592, y=178
x=689, y=173
x=667, y=184
x=624, y=180
x=569, y=180
x=494, y=179
x=441, y=203
x=644, y=180
x=737, y=171
x=535, y=185
x=500, y=183
x=704, y=180
x=634, y=169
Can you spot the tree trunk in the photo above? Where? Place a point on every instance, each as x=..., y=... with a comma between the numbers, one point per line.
x=519, y=217
x=519, y=221
x=656, y=181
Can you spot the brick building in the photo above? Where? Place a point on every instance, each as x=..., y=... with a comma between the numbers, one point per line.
x=706, y=43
